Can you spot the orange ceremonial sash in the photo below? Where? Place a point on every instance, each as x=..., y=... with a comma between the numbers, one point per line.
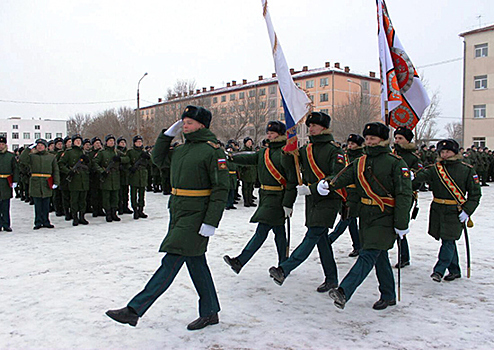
x=449, y=183
x=272, y=170
x=381, y=201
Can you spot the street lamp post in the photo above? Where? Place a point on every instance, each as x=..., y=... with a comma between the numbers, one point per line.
x=138, y=114
x=361, y=97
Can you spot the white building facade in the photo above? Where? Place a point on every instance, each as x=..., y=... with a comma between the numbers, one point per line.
x=23, y=132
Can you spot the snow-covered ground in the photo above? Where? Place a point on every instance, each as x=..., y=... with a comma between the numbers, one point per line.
x=55, y=286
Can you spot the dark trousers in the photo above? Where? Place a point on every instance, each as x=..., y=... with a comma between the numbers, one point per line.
x=123, y=197
x=314, y=236
x=5, y=213
x=77, y=202
x=57, y=200
x=247, y=192
x=41, y=211
x=164, y=276
x=367, y=259
x=230, y=199
x=405, y=250
x=447, y=258
x=95, y=198
x=66, y=200
x=258, y=239
x=137, y=196
x=351, y=223
x=110, y=199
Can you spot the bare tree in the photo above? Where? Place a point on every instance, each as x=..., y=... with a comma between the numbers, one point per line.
x=426, y=129
x=181, y=87
x=78, y=124
x=455, y=131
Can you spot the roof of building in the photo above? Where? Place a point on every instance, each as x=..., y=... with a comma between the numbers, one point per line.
x=478, y=30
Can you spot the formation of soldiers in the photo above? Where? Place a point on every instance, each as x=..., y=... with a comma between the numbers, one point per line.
x=75, y=175
x=369, y=183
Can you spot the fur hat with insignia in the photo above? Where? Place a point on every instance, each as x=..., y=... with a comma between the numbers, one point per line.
x=137, y=137
x=319, y=118
x=405, y=132
x=121, y=138
x=3, y=139
x=376, y=129
x=200, y=114
x=49, y=143
x=276, y=126
x=359, y=140
x=248, y=139
x=94, y=139
x=86, y=141
x=66, y=139
x=448, y=144
x=57, y=140
x=42, y=141
x=108, y=137
x=76, y=136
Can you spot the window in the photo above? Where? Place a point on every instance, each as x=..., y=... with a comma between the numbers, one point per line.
x=223, y=109
x=309, y=84
x=15, y=146
x=272, y=103
x=232, y=97
x=252, y=93
x=272, y=89
x=48, y=135
x=59, y=134
x=262, y=104
x=242, y=108
x=262, y=92
x=479, y=141
x=481, y=50
x=241, y=95
x=480, y=82
x=37, y=127
x=15, y=126
x=37, y=135
x=15, y=135
x=323, y=82
x=232, y=109
x=3, y=134
x=365, y=85
x=325, y=110
x=215, y=99
x=479, y=111
x=26, y=135
x=323, y=97
x=223, y=98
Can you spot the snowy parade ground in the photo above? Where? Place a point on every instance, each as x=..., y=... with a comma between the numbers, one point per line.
x=55, y=286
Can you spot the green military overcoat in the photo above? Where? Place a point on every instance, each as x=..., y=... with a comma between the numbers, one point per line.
x=138, y=167
x=108, y=160
x=8, y=167
x=80, y=179
x=41, y=163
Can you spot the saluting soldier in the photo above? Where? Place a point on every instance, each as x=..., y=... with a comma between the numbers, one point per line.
x=319, y=159
x=138, y=176
x=248, y=174
x=64, y=184
x=382, y=181
x=107, y=164
x=123, y=194
x=405, y=148
x=45, y=177
x=9, y=177
x=277, y=194
x=456, y=190
x=74, y=164
x=199, y=179
x=354, y=151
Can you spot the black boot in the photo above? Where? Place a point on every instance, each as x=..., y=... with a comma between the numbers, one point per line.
x=125, y=316
x=141, y=213
x=114, y=215
x=120, y=209
x=382, y=304
x=101, y=212
x=136, y=213
x=95, y=213
x=354, y=253
x=339, y=297
x=277, y=274
x=58, y=213
x=126, y=210
x=233, y=263
x=326, y=286
x=109, y=217
x=202, y=322
x=436, y=277
x=451, y=276
x=68, y=217
x=75, y=220
x=82, y=219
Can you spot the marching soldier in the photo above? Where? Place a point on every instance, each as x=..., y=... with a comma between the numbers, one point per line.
x=138, y=176
x=64, y=184
x=248, y=176
x=45, y=177
x=107, y=164
x=74, y=164
x=405, y=148
x=354, y=151
x=320, y=158
x=456, y=190
x=277, y=195
x=232, y=171
x=382, y=181
x=123, y=194
x=199, y=179
x=9, y=177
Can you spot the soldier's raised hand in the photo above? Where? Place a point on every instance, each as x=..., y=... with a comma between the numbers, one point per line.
x=175, y=129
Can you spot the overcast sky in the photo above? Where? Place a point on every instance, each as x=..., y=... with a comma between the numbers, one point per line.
x=67, y=53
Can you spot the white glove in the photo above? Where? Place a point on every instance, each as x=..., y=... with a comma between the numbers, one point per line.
x=303, y=190
x=175, y=129
x=412, y=175
x=207, y=230
x=401, y=233
x=323, y=188
x=14, y=184
x=288, y=211
x=54, y=186
x=33, y=145
x=463, y=216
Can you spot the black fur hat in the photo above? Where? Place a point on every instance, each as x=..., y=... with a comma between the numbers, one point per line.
x=319, y=118
x=200, y=114
x=359, y=140
x=57, y=140
x=86, y=141
x=276, y=126
x=3, y=139
x=94, y=139
x=121, y=138
x=109, y=136
x=76, y=136
x=405, y=132
x=247, y=139
x=43, y=141
x=376, y=129
x=137, y=137
x=448, y=144
x=66, y=139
